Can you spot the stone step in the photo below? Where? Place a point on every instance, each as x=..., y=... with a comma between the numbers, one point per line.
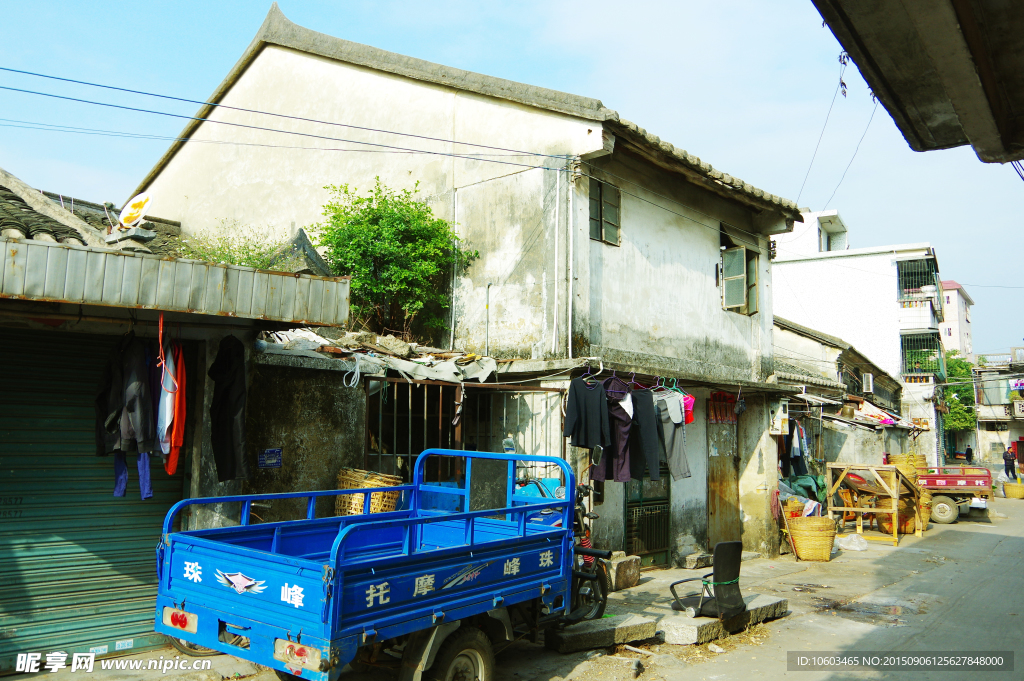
x=602, y=633
x=679, y=629
x=703, y=560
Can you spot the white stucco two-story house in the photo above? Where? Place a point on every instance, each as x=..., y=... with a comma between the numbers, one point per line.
x=600, y=244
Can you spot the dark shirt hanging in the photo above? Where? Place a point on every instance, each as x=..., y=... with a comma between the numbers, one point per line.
x=227, y=410
x=645, y=450
x=614, y=464
x=138, y=423
x=124, y=408
x=586, y=415
x=110, y=399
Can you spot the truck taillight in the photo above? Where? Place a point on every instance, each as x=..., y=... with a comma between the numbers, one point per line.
x=296, y=656
x=181, y=620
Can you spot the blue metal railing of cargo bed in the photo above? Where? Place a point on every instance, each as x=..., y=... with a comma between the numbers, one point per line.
x=384, y=575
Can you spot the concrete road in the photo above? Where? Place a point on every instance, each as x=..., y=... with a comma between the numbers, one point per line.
x=958, y=587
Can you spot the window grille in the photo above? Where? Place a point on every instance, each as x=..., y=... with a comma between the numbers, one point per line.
x=917, y=279
x=922, y=354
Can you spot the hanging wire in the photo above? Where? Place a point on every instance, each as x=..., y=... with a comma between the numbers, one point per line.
x=844, y=59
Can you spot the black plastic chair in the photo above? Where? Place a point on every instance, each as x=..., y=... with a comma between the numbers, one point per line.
x=720, y=595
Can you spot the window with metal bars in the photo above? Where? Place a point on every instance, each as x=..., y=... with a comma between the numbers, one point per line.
x=922, y=354
x=403, y=419
x=917, y=279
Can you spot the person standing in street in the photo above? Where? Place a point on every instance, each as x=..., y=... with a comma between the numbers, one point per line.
x=1010, y=464
x=969, y=454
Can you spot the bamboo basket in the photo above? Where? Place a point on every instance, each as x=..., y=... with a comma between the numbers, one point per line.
x=793, y=508
x=813, y=538
x=352, y=504
x=1013, y=490
x=908, y=469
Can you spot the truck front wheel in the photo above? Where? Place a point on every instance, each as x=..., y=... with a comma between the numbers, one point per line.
x=944, y=510
x=466, y=655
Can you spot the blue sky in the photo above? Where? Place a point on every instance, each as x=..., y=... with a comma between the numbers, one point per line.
x=744, y=85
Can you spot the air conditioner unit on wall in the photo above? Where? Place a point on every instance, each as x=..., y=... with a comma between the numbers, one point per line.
x=868, y=381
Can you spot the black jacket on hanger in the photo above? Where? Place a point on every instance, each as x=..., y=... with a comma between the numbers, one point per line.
x=227, y=410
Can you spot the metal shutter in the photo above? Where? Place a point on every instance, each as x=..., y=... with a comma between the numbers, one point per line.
x=77, y=565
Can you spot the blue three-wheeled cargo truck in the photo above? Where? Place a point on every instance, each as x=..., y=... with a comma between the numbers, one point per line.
x=432, y=592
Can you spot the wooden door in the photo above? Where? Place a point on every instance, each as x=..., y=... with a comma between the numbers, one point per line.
x=724, y=523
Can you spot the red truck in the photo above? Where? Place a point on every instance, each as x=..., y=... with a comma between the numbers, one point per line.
x=954, y=488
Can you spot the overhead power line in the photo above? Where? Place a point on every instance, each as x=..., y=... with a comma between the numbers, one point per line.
x=52, y=127
x=843, y=60
x=268, y=113
x=265, y=129
x=1019, y=168
x=870, y=118
x=379, y=147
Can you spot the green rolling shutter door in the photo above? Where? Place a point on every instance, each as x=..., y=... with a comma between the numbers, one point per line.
x=77, y=565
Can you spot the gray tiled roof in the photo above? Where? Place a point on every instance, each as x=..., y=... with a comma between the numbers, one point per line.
x=17, y=215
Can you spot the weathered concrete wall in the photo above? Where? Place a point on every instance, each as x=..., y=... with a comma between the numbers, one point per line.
x=758, y=479
x=994, y=442
x=655, y=293
x=843, y=443
x=317, y=422
x=273, y=188
x=805, y=353
x=514, y=222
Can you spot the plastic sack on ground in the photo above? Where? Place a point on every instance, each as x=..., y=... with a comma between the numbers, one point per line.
x=852, y=542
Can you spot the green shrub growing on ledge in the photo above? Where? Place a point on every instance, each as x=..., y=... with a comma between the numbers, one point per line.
x=399, y=254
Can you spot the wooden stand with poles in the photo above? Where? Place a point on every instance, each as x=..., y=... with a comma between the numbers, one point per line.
x=888, y=480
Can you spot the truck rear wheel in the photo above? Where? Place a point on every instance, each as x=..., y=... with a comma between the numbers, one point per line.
x=466, y=655
x=944, y=510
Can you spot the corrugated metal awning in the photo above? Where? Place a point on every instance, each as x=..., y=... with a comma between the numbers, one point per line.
x=815, y=399
x=45, y=271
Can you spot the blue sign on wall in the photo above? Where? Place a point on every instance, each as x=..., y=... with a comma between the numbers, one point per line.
x=270, y=458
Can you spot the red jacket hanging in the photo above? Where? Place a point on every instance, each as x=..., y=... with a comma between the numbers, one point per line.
x=178, y=424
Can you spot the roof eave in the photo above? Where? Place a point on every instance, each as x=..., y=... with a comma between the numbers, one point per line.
x=677, y=160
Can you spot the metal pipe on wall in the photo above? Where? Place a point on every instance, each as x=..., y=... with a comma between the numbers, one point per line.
x=487, y=322
x=570, y=230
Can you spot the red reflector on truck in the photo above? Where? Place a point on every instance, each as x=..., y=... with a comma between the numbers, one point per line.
x=179, y=619
x=295, y=655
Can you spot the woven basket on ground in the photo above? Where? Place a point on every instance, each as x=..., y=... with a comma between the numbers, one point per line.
x=813, y=537
x=1013, y=490
x=920, y=460
x=793, y=508
x=353, y=478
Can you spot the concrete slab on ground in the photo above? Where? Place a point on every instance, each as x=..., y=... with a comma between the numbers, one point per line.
x=678, y=629
x=601, y=633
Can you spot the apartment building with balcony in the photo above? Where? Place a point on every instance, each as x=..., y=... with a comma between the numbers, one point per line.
x=885, y=300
